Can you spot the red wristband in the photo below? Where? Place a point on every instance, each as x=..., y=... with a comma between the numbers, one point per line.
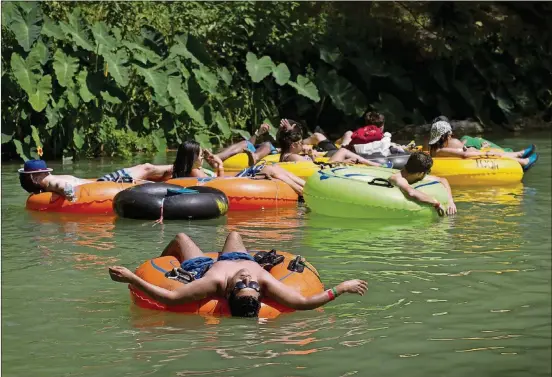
x=331, y=294
x=437, y=205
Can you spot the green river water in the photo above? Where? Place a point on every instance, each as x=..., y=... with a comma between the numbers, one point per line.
x=467, y=295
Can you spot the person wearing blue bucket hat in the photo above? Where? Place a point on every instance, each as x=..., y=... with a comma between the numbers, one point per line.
x=35, y=177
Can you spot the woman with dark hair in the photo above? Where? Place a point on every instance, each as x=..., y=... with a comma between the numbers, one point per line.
x=189, y=159
x=443, y=144
x=291, y=143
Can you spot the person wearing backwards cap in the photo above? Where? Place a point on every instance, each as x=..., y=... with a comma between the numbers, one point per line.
x=442, y=144
x=35, y=177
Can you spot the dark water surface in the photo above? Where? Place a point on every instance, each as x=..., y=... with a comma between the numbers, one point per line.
x=469, y=295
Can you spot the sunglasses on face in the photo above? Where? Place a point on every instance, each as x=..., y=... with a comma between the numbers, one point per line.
x=252, y=284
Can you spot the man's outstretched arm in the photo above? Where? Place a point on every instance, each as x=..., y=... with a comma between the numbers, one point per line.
x=196, y=290
x=291, y=298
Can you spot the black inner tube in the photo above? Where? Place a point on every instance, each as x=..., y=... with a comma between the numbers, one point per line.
x=150, y=201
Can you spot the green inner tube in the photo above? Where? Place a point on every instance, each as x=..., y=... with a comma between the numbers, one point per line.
x=365, y=192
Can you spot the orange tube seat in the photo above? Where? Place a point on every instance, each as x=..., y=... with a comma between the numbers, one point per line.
x=153, y=271
x=92, y=198
x=246, y=193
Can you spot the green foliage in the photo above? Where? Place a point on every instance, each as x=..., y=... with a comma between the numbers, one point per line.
x=93, y=78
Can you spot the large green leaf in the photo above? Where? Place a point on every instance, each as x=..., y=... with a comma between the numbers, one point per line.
x=104, y=40
x=154, y=40
x=8, y=10
x=65, y=67
x=26, y=26
x=157, y=80
x=222, y=125
x=35, y=136
x=50, y=29
x=306, y=88
x=78, y=31
x=180, y=48
x=6, y=138
x=203, y=140
x=258, y=69
x=281, y=74
x=84, y=91
x=369, y=65
x=116, y=66
x=142, y=53
x=344, y=95
x=39, y=54
x=39, y=99
x=206, y=79
x=159, y=140
x=72, y=97
x=78, y=138
x=331, y=56
x=19, y=149
x=225, y=75
x=243, y=133
x=24, y=74
x=109, y=98
x=53, y=115
x=182, y=101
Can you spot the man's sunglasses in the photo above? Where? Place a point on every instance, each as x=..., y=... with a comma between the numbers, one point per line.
x=252, y=284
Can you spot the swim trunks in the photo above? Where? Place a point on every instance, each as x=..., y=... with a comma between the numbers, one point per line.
x=120, y=175
x=326, y=146
x=198, y=266
x=253, y=148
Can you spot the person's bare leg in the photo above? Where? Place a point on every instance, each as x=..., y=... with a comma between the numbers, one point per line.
x=182, y=248
x=345, y=139
x=232, y=150
x=146, y=172
x=314, y=139
x=262, y=151
x=234, y=243
x=284, y=176
x=345, y=155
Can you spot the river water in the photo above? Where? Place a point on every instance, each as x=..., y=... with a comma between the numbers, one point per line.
x=467, y=295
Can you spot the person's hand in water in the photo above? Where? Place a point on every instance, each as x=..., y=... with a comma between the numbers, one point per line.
x=120, y=274
x=353, y=286
x=451, y=209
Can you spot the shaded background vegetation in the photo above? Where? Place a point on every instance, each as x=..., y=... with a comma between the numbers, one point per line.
x=113, y=78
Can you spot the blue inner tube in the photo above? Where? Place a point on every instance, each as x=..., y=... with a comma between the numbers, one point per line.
x=177, y=203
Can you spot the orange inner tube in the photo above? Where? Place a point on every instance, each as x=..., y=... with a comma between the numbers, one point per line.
x=246, y=193
x=153, y=271
x=92, y=198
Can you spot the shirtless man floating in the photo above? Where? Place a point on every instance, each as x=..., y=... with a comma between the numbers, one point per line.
x=234, y=276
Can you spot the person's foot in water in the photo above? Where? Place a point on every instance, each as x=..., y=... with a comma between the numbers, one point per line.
x=529, y=151
x=532, y=160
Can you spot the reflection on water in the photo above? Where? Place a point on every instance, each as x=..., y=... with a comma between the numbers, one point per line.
x=509, y=195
